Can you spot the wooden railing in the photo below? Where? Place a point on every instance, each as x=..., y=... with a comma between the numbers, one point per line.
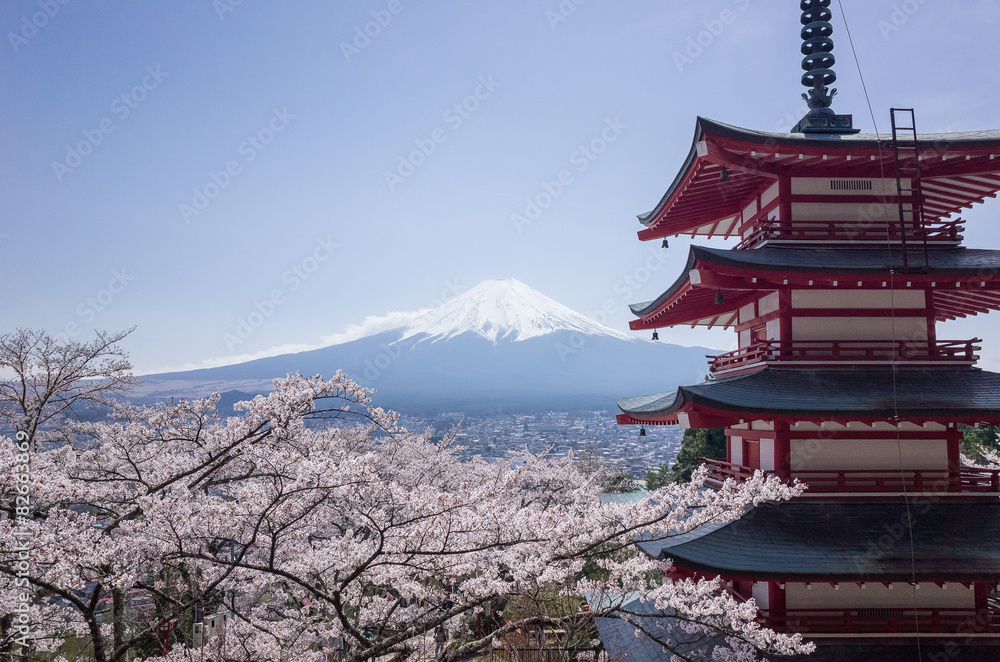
x=938, y=232
x=817, y=352
x=881, y=620
x=967, y=479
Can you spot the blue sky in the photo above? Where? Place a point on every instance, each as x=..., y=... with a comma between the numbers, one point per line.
x=179, y=166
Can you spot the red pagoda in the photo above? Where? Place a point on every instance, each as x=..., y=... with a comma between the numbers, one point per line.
x=850, y=255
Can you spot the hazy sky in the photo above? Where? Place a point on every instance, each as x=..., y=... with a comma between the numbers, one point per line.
x=180, y=165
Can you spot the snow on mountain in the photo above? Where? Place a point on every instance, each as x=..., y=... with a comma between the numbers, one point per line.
x=500, y=346
x=503, y=310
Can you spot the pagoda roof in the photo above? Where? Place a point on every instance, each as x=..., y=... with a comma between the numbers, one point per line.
x=621, y=643
x=961, y=393
x=807, y=540
x=958, y=170
x=746, y=274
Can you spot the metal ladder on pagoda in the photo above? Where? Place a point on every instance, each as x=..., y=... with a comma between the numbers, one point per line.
x=906, y=157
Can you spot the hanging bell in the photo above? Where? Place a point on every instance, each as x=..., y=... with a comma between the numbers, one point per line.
x=666, y=244
x=724, y=175
x=642, y=431
x=718, y=298
x=656, y=336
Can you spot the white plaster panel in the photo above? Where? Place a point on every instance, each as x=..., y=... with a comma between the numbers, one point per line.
x=868, y=213
x=760, y=595
x=901, y=595
x=736, y=450
x=773, y=330
x=769, y=195
x=859, y=328
x=768, y=303
x=847, y=454
x=867, y=299
x=767, y=454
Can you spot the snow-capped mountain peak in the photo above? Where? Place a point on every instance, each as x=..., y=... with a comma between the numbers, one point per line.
x=503, y=310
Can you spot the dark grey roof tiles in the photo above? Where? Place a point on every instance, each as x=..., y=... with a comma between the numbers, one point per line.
x=863, y=392
x=848, y=542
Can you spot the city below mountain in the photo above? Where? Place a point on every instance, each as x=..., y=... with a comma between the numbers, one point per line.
x=499, y=347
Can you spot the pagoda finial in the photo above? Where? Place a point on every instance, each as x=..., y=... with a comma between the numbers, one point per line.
x=818, y=50
x=817, y=47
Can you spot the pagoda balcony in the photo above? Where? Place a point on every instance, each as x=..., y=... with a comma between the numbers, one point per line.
x=967, y=480
x=936, y=233
x=885, y=621
x=831, y=353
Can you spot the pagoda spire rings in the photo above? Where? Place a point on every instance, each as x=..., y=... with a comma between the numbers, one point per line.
x=817, y=47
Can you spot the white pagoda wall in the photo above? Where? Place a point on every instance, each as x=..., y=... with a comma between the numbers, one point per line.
x=859, y=328
x=761, y=595
x=908, y=299
x=877, y=596
x=852, y=326
x=860, y=454
x=863, y=213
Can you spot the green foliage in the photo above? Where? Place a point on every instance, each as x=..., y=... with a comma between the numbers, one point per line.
x=614, y=478
x=976, y=440
x=706, y=442
x=655, y=479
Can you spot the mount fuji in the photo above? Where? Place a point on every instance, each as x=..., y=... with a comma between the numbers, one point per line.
x=500, y=346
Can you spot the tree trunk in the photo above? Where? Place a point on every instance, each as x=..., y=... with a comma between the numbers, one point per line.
x=118, y=613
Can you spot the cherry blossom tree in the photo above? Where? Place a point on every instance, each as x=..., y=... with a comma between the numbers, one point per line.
x=308, y=518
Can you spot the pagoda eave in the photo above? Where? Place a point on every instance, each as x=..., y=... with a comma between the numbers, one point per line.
x=959, y=281
x=727, y=165
x=802, y=541
x=962, y=395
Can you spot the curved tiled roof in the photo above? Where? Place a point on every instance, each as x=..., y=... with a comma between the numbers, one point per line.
x=953, y=261
x=757, y=156
x=967, y=393
x=854, y=541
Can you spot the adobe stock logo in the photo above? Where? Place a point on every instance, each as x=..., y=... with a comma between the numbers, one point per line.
x=89, y=309
x=553, y=189
x=454, y=117
x=30, y=27
x=363, y=35
x=220, y=180
x=293, y=277
x=705, y=39
x=122, y=107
